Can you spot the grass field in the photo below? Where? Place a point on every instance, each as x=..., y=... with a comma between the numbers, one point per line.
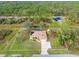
x=15, y=45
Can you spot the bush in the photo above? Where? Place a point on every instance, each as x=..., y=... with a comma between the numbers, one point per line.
x=55, y=43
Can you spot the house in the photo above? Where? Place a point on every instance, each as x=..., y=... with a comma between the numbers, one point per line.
x=38, y=34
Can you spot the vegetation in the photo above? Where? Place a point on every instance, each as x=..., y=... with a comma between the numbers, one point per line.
x=64, y=38
x=58, y=51
x=24, y=46
x=19, y=18
x=4, y=33
x=11, y=21
x=39, y=11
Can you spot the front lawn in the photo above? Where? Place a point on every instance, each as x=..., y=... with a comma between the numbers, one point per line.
x=63, y=51
x=23, y=46
x=57, y=51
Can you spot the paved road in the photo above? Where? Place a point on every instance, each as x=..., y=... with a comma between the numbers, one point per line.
x=57, y=55
x=60, y=55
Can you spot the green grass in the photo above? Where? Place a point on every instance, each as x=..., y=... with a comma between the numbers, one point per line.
x=27, y=47
x=57, y=51
x=63, y=51
x=6, y=40
x=55, y=43
x=74, y=51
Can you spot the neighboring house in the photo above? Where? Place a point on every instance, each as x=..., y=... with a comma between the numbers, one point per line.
x=57, y=19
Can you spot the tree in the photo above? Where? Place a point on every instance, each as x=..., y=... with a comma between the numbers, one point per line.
x=67, y=38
